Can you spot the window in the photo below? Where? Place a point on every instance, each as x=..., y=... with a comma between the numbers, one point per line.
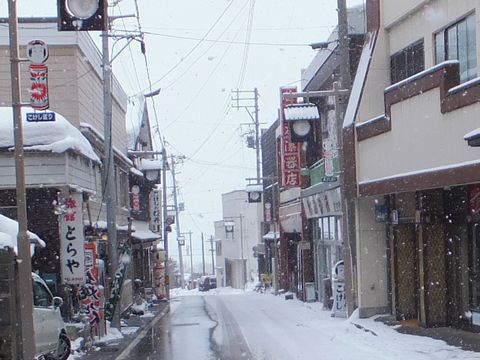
x=41, y=296
x=407, y=62
x=458, y=42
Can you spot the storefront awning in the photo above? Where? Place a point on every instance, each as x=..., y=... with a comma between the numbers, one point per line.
x=291, y=217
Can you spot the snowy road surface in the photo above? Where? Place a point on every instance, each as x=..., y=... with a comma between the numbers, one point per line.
x=229, y=324
x=277, y=329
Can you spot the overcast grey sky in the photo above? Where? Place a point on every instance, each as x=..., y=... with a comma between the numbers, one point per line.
x=197, y=52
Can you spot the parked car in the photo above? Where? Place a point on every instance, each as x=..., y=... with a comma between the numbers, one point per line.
x=207, y=282
x=213, y=282
x=51, y=338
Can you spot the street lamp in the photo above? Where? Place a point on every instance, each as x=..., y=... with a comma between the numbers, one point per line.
x=82, y=15
x=300, y=118
x=254, y=193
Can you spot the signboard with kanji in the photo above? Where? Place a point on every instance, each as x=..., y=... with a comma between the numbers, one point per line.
x=72, y=248
x=290, y=152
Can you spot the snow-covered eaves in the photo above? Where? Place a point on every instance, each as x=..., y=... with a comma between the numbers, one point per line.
x=55, y=136
x=254, y=188
x=306, y=111
x=102, y=225
x=271, y=235
x=150, y=164
x=145, y=236
x=99, y=136
x=9, y=233
x=473, y=137
x=135, y=171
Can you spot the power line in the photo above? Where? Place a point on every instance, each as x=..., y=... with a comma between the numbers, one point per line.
x=227, y=41
x=196, y=45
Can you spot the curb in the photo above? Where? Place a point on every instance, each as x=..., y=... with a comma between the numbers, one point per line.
x=126, y=351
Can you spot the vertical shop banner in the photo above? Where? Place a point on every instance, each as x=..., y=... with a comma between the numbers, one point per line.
x=37, y=54
x=72, y=250
x=290, y=152
x=91, y=293
x=39, y=86
x=155, y=211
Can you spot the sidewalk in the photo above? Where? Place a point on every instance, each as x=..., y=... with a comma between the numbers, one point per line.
x=135, y=324
x=465, y=340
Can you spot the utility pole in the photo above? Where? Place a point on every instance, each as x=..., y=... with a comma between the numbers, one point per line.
x=341, y=102
x=165, y=219
x=245, y=102
x=25, y=340
x=212, y=251
x=203, y=256
x=109, y=170
x=177, y=221
x=191, y=254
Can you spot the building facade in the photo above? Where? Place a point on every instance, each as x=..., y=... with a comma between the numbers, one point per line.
x=56, y=178
x=236, y=236
x=412, y=176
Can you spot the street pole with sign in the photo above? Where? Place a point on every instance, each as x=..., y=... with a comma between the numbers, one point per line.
x=25, y=340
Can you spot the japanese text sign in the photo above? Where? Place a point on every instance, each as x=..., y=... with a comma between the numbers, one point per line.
x=290, y=151
x=72, y=250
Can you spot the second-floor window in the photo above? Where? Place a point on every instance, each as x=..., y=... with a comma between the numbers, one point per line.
x=458, y=42
x=407, y=62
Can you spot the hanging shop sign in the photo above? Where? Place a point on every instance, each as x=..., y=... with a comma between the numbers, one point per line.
x=91, y=292
x=155, y=211
x=37, y=53
x=326, y=203
x=72, y=250
x=290, y=152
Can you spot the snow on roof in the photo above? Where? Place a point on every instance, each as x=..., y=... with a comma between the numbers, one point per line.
x=9, y=232
x=271, y=235
x=100, y=136
x=472, y=134
x=145, y=235
x=306, y=111
x=150, y=164
x=56, y=136
x=254, y=188
x=135, y=111
x=136, y=171
x=102, y=225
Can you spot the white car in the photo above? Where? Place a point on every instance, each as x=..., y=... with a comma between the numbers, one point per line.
x=51, y=338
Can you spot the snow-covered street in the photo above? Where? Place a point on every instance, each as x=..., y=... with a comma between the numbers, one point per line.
x=277, y=329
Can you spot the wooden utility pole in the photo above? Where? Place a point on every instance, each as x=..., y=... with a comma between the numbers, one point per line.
x=25, y=339
x=212, y=250
x=203, y=256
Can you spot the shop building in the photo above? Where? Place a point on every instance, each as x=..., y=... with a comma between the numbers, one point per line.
x=412, y=176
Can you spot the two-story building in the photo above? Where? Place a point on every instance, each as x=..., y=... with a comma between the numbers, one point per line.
x=411, y=174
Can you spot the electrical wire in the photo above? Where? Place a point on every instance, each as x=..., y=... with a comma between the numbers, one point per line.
x=243, y=68
x=226, y=41
x=200, y=41
x=194, y=98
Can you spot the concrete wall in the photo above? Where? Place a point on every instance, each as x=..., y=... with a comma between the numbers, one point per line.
x=247, y=231
x=421, y=138
x=371, y=259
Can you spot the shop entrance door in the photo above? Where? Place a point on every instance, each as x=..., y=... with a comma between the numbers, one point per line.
x=405, y=262
x=475, y=274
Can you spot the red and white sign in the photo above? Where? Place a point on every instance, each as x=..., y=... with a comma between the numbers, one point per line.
x=37, y=53
x=136, y=202
x=72, y=248
x=39, y=87
x=290, y=153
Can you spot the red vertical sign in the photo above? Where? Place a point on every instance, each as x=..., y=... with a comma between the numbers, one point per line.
x=290, y=152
